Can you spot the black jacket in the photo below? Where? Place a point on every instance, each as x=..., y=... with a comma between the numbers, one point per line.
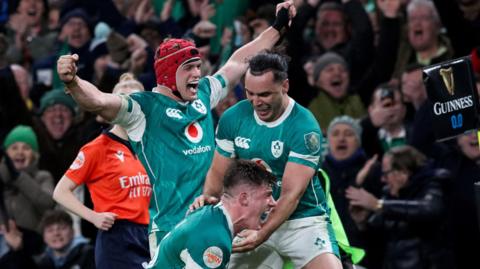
x=414, y=223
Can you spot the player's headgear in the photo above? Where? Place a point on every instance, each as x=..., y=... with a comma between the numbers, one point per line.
x=170, y=55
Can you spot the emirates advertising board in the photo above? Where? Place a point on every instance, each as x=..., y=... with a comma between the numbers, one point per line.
x=452, y=92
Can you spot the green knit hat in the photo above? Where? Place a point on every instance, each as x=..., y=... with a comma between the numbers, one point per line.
x=57, y=96
x=21, y=133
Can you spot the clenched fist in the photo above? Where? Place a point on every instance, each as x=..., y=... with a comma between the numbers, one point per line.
x=67, y=68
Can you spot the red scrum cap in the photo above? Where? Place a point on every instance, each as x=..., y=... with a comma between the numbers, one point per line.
x=170, y=55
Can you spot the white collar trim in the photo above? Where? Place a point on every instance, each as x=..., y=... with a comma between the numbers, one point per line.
x=280, y=120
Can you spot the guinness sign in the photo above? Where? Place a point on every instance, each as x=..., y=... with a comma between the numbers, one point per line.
x=452, y=92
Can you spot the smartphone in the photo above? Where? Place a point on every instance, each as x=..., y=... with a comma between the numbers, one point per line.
x=387, y=94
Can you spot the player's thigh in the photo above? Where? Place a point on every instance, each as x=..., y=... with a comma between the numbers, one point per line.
x=303, y=240
x=263, y=257
x=324, y=261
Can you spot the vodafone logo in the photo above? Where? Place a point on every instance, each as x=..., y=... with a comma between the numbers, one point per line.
x=78, y=162
x=194, y=132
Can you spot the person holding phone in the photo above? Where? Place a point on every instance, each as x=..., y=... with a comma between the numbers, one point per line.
x=385, y=121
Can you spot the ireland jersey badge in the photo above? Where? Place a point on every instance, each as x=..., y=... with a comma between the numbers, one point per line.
x=277, y=148
x=312, y=142
x=199, y=106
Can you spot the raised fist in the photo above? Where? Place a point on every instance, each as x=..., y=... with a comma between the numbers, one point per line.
x=67, y=67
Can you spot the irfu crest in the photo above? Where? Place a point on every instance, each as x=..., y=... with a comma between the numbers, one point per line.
x=277, y=148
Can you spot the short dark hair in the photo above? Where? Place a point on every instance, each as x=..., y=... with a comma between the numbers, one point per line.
x=406, y=158
x=331, y=5
x=334, y=6
x=268, y=61
x=247, y=172
x=55, y=217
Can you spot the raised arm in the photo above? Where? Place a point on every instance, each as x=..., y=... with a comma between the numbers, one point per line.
x=214, y=182
x=87, y=95
x=237, y=65
x=294, y=183
x=213, y=187
x=63, y=194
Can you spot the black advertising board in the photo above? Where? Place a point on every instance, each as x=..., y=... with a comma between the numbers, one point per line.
x=452, y=92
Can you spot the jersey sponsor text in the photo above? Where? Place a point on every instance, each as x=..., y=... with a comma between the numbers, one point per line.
x=139, y=185
x=197, y=150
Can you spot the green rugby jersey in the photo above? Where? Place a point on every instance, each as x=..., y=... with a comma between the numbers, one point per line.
x=294, y=137
x=175, y=143
x=202, y=240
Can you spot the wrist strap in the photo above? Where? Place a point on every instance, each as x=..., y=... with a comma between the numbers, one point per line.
x=281, y=21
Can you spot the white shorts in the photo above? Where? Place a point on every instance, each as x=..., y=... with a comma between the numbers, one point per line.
x=300, y=240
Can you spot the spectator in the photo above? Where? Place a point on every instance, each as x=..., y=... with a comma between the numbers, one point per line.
x=332, y=78
x=27, y=191
x=345, y=29
x=465, y=166
x=462, y=159
x=18, y=246
x=61, y=134
x=63, y=250
x=344, y=160
x=59, y=137
x=385, y=126
x=413, y=89
x=75, y=37
x=411, y=213
x=364, y=78
x=29, y=35
x=425, y=44
x=461, y=20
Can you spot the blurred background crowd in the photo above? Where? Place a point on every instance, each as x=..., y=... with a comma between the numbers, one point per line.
x=356, y=64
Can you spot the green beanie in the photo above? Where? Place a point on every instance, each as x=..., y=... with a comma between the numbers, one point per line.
x=21, y=133
x=57, y=96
